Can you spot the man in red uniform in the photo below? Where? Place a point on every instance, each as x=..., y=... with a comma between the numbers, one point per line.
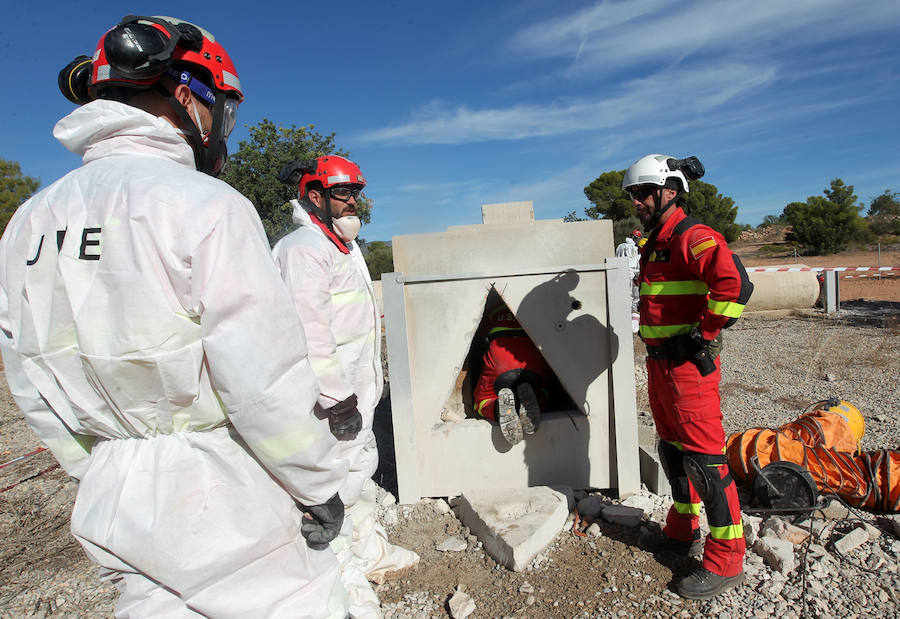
x=691, y=286
x=513, y=370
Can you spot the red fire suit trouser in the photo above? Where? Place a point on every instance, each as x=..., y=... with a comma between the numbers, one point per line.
x=688, y=419
x=505, y=354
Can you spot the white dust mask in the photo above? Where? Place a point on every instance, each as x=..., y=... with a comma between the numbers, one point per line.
x=347, y=228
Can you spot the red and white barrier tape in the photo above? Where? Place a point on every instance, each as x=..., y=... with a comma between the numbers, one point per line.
x=30, y=477
x=22, y=457
x=784, y=269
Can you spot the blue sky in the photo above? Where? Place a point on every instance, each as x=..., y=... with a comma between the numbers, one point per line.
x=449, y=105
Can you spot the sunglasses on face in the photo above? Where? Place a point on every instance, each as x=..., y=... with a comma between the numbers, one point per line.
x=344, y=193
x=641, y=192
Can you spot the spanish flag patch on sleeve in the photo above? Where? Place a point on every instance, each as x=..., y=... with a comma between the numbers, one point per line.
x=698, y=247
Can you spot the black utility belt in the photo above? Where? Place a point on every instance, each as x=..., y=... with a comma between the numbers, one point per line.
x=667, y=353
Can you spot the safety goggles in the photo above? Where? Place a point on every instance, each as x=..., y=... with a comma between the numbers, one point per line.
x=206, y=93
x=344, y=193
x=640, y=192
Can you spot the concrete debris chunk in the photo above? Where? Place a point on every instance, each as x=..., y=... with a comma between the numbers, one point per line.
x=751, y=528
x=590, y=507
x=833, y=510
x=452, y=544
x=853, y=540
x=441, y=507
x=461, y=605
x=778, y=554
x=639, y=501
x=781, y=529
x=624, y=515
x=594, y=530
x=526, y=587
x=873, y=532
x=514, y=524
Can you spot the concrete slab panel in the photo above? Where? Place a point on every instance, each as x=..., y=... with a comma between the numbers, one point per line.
x=514, y=524
x=483, y=249
x=508, y=212
x=432, y=313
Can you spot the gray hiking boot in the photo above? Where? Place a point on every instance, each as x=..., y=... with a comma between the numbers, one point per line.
x=701, y=584
x=656, y=541
x=529, y=408
x=510, y=425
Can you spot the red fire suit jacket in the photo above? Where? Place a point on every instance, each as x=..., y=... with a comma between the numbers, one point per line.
x=689, y=278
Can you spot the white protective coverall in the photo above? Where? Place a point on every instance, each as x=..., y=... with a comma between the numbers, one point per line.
x=629, y=250
x=151, y=345
x=333, y=293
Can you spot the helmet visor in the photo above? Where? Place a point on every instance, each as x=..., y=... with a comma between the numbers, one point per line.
x=229, y=118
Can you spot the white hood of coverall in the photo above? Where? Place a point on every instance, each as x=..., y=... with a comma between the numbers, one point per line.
x=160, y=322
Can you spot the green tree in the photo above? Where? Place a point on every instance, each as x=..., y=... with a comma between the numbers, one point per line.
x=608, y=199
x=15, y=188
x=826, y=224
x=703, y=202
x=887, y=205
x=253, y=170
x=772, y=220
x=379, y=258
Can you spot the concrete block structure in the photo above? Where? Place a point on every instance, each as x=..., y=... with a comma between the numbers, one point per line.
x=561, y=282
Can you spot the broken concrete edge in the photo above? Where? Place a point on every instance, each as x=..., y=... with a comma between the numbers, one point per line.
x=514, y=524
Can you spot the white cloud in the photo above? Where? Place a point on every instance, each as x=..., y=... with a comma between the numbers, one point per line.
x=615, y=35
x=638, y=100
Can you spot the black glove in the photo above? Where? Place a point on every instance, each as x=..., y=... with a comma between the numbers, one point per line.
x=344, y=418
x=322, y=523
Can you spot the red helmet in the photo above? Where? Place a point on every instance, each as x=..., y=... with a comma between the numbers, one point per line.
x=636, y=234
x=330, y=170
x=138, y=51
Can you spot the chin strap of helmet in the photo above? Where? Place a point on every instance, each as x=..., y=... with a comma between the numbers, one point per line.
x=206, y=155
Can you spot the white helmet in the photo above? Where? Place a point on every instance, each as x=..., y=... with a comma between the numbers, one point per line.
x=653, y=170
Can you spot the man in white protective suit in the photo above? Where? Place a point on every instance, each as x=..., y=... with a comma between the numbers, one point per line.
x=629, y=249
x=151, y=345
x=329, y=281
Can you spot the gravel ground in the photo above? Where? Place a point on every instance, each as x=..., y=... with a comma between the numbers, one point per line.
x=774, y=366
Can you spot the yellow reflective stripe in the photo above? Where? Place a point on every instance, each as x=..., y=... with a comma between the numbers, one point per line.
x=321, y=367
x=650, y=331
x=505, y=329
x=287, y=443
x=73, y=448
x=683, y=287
x=726, y=308
x=348, y=297
x=687, y=508
x=482, y=405
x=676, y=445
x=731, y=531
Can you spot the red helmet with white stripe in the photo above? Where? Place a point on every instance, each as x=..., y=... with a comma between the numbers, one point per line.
x=140, y=50
x=330, y=170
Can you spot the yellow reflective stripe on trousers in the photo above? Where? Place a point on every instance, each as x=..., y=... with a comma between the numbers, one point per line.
x=687, y=508
x=681, y=287
x=482, y=405
x=649, y=331
x=731, y=531
x=726, y=308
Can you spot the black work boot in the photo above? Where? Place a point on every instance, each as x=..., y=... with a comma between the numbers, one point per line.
x=656, y=541
x=702, y=584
